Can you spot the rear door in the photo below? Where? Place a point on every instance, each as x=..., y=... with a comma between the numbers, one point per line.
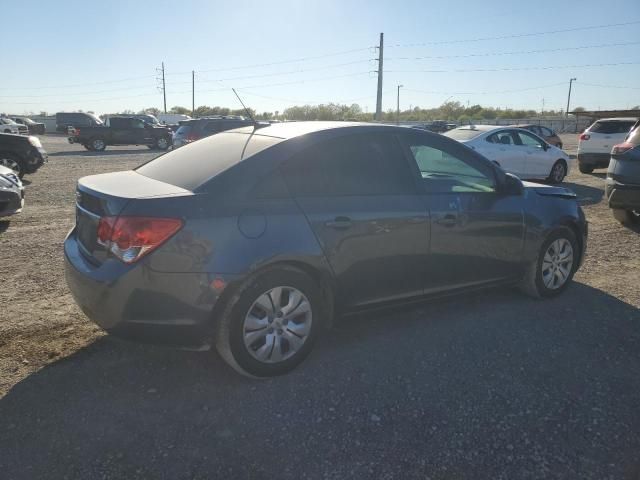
x=361, y=200
x=503, y=147
x=477, y=232
x=604, y=134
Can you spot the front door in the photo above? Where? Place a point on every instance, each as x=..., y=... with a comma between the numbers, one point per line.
x=362, y=202
x=502, y=147
x=477, y=232
x=539, y=160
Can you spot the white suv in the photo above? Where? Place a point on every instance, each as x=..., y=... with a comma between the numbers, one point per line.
x=596, y=142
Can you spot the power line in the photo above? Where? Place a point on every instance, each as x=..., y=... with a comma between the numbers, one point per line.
x=517, y=35
x=514, y=69
x=608, y=86
x=496, y=92
x=518, y=52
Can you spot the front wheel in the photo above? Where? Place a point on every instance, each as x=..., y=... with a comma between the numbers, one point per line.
x=555, y=266
x=558, y=172
x=585, y=168
x=270, y=325
x=162, y=143
x=627, y=217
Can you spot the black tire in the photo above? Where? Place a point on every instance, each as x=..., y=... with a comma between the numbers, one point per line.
x=13, y=162
x=585, y=168
x=98, y=144
x=162, y=143
x=555, y=176
x=532, y=284
x=627, y=217
x=229, y=330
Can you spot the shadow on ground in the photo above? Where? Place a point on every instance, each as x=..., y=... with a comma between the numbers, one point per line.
x=586, y=195
x=88, y=153
x=489, y=386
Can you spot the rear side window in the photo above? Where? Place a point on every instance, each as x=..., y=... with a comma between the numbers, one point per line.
x=611, y=126
x=193, y=165
x=362, y=164
x=546, y=132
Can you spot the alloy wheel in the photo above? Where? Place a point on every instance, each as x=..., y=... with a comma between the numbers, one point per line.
x=277, y=324
x=162, y=143
x=98, y=144
x=557, y=264
x=558, y=172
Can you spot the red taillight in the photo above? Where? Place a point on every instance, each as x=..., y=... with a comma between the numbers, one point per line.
x=130, y=238
x=585, y=136
x=192, y=137
x=622, y=148
x=76, y=132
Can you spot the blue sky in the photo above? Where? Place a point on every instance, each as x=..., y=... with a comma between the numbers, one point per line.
x=103, y=56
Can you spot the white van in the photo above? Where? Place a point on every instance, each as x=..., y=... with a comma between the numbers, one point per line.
x=172, y=118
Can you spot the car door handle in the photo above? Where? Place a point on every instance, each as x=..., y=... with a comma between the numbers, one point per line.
x=339, y=223
x=449, y=220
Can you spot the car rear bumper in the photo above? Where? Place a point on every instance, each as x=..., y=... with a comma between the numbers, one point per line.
x=620, y=195
x=595, y=160
x=11, y=201
x=138, y=303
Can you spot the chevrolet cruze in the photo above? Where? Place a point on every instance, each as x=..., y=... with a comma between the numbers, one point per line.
x=253, y=240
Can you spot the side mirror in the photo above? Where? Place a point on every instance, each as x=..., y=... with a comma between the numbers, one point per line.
x=545, y=146
x=512, y=185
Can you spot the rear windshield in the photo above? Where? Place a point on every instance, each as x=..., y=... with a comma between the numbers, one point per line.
x=193, y=165
x=462, y=134
x=611, y=126
x=184, y=128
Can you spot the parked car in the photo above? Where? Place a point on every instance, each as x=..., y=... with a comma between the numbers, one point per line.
x=596, y=142
x=622, y=186
x=33, y=128
x=22, y=154
x=11, y=193
x=516, y=150
x=192, y=130
x=545, y=133
x=121, y=131
x=64, y=120
x=9, y=126
x=251, y=240
x=436, y=126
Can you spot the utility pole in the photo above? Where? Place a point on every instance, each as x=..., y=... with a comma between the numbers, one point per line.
x=193, y=93
x=569, y=96
x=378, y=115
x=164, y=90
x=398, y=106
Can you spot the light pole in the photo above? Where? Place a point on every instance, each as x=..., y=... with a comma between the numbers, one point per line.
x=398, y=106
x=569, y=96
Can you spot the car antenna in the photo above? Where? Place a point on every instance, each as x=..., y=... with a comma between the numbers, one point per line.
x=255, y=124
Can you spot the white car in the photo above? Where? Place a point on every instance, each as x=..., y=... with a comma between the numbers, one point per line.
x=516, y=151
x=9, y=126
x=596, y=142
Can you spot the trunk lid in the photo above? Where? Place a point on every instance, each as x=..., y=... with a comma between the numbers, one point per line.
x=107, y=195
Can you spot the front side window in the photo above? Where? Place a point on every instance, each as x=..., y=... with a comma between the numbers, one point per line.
x=446, y=172
x=362, y=164
x=529, y=140
x=504, y=137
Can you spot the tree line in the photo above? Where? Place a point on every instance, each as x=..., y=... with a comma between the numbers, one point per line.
x=451, y=111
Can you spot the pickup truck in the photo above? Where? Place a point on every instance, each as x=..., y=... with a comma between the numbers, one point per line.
x=121, y=131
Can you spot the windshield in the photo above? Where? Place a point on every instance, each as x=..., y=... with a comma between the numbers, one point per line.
x=462, y=134
x=8, y=121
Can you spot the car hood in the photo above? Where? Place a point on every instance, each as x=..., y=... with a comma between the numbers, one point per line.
x=549, y=190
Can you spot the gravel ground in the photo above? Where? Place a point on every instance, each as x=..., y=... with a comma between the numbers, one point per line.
x=493, y=385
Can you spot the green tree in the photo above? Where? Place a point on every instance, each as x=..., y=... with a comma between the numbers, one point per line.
x=180, y=110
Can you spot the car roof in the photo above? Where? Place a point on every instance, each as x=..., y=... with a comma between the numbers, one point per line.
x=484, y=128
x=618, y=119
x=288, y=130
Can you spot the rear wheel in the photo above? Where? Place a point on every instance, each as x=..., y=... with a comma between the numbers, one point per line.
x=87, y=146
x=271, y=323
x=98, y=144
x=558, y=172
x=627, y=217
x=555, y=266
x=585, y=168
x=11, y=161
